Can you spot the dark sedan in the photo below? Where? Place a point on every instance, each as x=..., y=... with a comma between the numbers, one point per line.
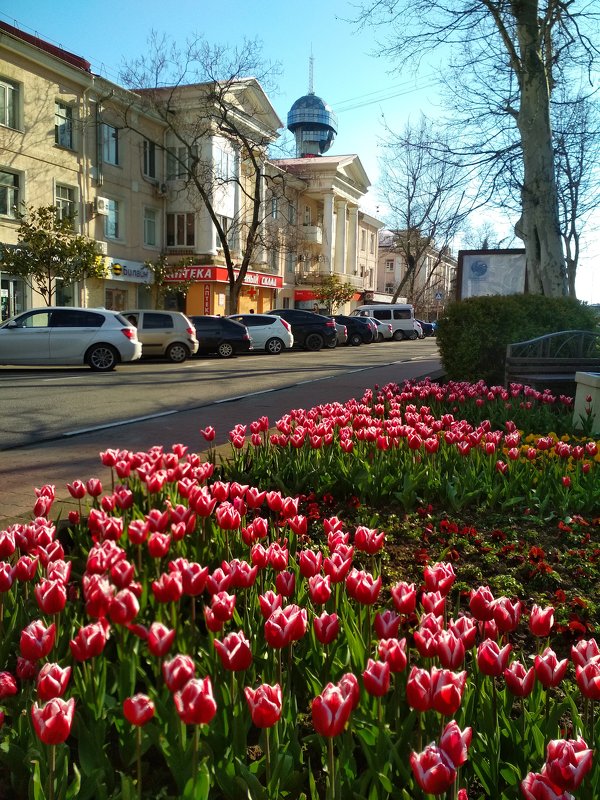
x=220, y=335
x=359, y=329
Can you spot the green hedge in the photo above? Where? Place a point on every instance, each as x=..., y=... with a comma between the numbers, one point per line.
x=473, y=334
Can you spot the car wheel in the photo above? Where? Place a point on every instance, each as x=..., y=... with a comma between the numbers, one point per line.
x=177, y=353
x=314, y=341
x=398, y=336
x=355, y=339
x=225, y=350
x=102, y=358
x=380, y=337
x=274, y=346
x=413, y=335
x=332, y=344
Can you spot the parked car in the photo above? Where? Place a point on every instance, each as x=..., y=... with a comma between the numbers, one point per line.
x=341, y=334
x=311, y=331
x=428, y=327
x=221, y=335
x=164, y=334
x=66, y=335
x=360, y=330
x=400, y=315
x=384, y=329
x=267, y=331
x=419, y=329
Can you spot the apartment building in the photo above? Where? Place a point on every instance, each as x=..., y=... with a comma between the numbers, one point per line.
x=333, y=235
x=110, y=159
x=429, y=285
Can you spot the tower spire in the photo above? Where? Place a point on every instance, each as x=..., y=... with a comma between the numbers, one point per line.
x=311, y=64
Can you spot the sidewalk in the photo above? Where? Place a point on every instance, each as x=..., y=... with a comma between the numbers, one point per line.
x=65, y=460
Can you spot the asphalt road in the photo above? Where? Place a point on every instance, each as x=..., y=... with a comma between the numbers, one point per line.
x=44, y=404
x=55, y=422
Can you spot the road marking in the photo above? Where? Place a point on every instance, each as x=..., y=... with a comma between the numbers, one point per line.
x=121, y=422
x=147, y=417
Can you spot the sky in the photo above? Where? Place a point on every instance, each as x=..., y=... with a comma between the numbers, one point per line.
x=363, y=90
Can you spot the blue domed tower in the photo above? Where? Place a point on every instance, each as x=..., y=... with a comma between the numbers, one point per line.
x=312, y=122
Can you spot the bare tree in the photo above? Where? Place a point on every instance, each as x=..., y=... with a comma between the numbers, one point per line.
x=576, y=145
x=530, y=41
x=219, y=126
x=427, y=205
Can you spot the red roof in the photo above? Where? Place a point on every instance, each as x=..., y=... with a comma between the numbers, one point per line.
x=58, y=52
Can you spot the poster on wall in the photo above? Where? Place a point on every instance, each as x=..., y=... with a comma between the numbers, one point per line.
x=487, y=272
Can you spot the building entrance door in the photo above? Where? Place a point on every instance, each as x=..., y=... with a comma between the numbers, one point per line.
x=11, y=296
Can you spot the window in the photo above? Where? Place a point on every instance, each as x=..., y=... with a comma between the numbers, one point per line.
x=226, y=223
x=389, y=288
x=76, y=319
x=290, y=262
x=150, y=227
x=9, y=103
x=63, y=125
x=9, y=193
x=224, y=165
x=110, y=144
x=157, y=321
x=291, y=213
x=149, y=158
x=36, y=319
x=307, y=215
x=363, y=240
x=179, y=161
x=381, y=313
x=372, y=243
x=112, y=226
x=64, y=200
x=274, y=207
x=274, y=260
x=180, y=230
x=389, y=265
x=116, y=299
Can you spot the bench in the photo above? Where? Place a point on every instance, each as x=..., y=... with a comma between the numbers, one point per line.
x=551, y=361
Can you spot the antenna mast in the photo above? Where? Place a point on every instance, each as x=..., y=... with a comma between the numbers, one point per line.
x=311, y=63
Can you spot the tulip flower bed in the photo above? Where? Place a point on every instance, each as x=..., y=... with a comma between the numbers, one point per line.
x=190, y=635
x=455, y=446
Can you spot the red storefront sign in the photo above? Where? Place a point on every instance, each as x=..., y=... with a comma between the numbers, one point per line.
x=219, y=275
x=304, y=294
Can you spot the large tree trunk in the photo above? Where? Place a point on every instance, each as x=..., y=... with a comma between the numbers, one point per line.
x=539, y=225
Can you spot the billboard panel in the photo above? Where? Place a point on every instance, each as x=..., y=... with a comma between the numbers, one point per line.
x=486, y=272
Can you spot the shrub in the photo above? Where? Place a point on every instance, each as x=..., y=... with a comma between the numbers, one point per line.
x=474, y=333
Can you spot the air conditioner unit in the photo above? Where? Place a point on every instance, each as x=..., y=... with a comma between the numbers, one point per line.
x=101, y=206
x=161, y=189
x=101, y=247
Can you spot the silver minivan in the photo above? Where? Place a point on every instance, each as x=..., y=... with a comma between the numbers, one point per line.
x=164, y=334
x=401, y=316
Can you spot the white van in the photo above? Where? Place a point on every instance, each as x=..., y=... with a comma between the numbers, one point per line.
x=401, y=316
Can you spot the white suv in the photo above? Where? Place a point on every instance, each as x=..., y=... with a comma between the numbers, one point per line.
x=66, y=335
x=267, y=331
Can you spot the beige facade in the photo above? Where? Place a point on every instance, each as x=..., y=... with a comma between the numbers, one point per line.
x=94, y=149
x=428, y=288
x=332, y=235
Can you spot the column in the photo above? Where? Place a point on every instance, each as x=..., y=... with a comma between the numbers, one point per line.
x=340, y=236
x=351, y=260
x=328, y=230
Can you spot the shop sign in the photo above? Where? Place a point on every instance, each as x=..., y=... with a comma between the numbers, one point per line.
x=132, y=271
x=304, y=294
x=219, y=275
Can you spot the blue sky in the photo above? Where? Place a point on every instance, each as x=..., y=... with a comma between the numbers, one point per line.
x=361, y=88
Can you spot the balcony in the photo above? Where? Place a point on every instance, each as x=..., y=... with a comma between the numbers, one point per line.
x=312, y=234
x=314, y=274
